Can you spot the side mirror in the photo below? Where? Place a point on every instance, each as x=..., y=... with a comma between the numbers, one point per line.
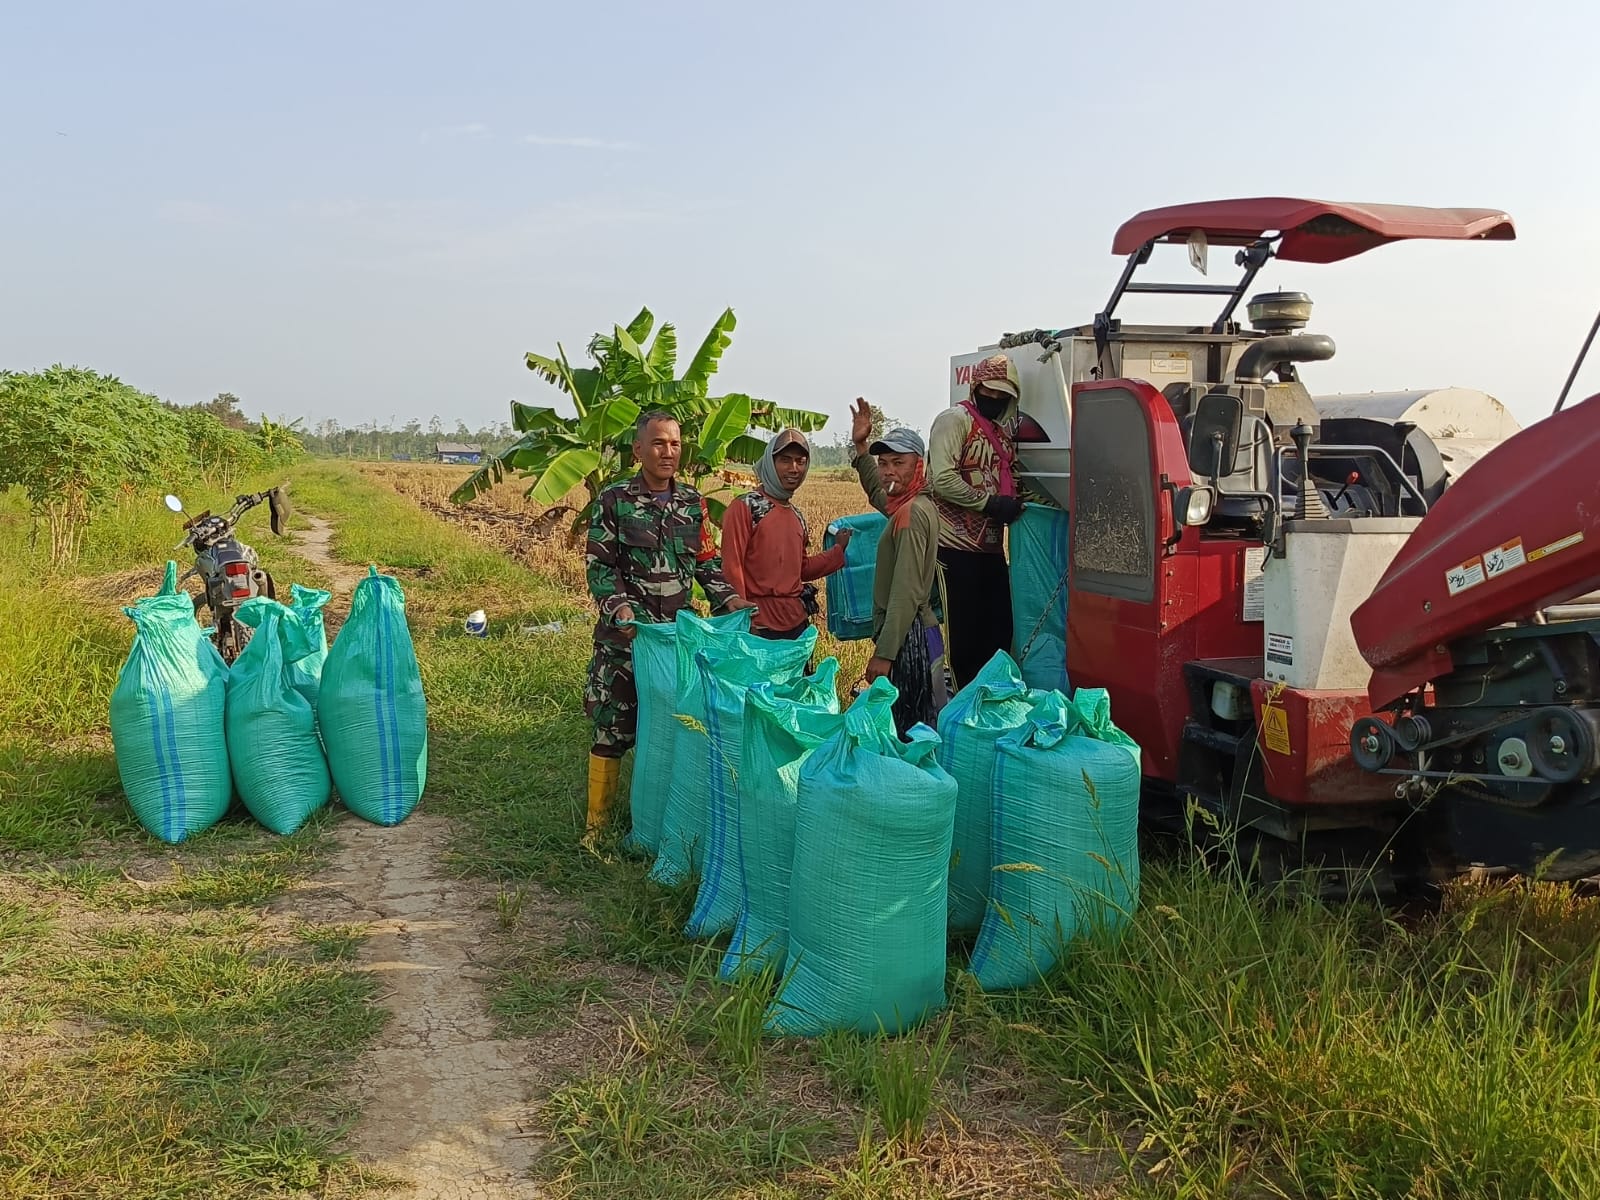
x=1192, y=506
x=174, y=503
x=279, y=509
x=1214, y=435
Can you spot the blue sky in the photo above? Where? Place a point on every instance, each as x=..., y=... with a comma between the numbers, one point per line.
x=363, y=210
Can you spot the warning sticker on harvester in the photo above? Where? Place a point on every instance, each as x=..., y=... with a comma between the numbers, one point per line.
x=1169, y=362
x=1275, y=730
x=1504, y=558
x=1555, y=547
x=1468, y=575
x=1280, y=649
x=1255, y=584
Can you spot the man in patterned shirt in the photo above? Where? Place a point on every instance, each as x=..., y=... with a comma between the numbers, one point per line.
x=973, y=478
x=650, y=539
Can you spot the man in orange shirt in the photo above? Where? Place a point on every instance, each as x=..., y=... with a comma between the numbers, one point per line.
x=764, y=542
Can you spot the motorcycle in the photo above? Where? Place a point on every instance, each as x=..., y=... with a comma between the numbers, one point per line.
x=229, y=569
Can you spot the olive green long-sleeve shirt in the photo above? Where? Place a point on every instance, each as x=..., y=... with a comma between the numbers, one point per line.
x=907, y=560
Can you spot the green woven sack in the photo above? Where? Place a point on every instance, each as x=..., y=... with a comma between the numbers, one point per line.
x=1066, y=838
x=371, y=710
x=779, y=736
x=655, y=677
x=992, y=705
x=812, y=697
x=742, y=660
x=305, y=639
x=868, y=896
x=166, y=718
x=273, y=749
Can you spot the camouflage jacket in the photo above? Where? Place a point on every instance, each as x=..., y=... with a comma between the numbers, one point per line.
x=647, y=553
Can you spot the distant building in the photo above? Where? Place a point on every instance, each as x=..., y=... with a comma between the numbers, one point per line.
x=458, y=452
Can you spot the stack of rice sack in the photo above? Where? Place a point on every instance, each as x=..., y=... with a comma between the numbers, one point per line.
x=839, y=859
x=286, y=723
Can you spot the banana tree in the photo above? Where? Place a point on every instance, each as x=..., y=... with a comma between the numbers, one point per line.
x=594, y=448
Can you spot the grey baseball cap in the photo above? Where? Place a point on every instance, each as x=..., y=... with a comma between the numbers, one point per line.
x=899, y=441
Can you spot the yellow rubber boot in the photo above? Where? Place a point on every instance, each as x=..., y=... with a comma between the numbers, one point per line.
x=603, y=776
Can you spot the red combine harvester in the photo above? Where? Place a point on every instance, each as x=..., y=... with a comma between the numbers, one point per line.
x=1320, y=627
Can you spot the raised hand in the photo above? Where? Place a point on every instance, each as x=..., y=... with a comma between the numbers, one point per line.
x=860, y=424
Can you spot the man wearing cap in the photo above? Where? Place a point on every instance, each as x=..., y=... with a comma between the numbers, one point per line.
x=907, y=645
x=765, y=539
x=972, y=476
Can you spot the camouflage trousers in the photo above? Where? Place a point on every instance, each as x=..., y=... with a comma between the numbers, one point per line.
x=611, y=700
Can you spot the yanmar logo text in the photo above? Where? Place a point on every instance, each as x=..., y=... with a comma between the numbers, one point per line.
x=964, y=374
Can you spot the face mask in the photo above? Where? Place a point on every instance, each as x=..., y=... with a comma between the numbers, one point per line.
x=992, y=406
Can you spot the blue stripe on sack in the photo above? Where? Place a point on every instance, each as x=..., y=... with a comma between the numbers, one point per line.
x=717, y=847
x=169, y=729
x=989, y=930
x=158, y=751
x=397, y=795
x=382, y=704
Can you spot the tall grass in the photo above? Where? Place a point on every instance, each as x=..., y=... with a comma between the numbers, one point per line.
x=1279, y=1047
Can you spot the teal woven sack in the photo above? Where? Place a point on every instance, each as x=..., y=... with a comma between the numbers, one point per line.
x=1038, y=545
x=1066, y=838
x=849, y=590
x=166, y=718
x=778, y=738
x=721, y=893
x=742, y=660
x=305, y=639
x=307, y=642
x=371, y=710
x=655, y=676
x=992, y=705
x=273, y=749
x=868, y=896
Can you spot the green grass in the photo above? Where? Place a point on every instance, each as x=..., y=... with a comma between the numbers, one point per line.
x=172, y=1044
x=210, y=1071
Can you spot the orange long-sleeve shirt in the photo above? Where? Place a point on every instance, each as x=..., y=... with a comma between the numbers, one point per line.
x=767, y=562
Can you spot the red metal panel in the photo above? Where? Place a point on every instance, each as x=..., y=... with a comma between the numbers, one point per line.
x=1519, y=532
x=1304, y=741
x=1315, y=231
x=1138, y=651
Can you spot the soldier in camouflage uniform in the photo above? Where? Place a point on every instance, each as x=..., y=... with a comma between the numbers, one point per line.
x=649, y=541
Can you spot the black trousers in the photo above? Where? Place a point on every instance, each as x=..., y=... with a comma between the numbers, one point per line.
x=977, y=609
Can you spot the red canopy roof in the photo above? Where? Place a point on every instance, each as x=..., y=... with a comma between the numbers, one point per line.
x=1313, y=230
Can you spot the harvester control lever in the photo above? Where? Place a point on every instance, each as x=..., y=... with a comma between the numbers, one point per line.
x=1308, y=506
x=1353, y=478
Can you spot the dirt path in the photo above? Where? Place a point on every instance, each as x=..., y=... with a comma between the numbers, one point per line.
x=444, y=1102
x=316, y=545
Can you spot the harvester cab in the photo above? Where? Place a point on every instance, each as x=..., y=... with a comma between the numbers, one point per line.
x=1226, y=522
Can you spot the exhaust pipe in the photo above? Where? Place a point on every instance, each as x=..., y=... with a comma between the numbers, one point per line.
x=1293, y=348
